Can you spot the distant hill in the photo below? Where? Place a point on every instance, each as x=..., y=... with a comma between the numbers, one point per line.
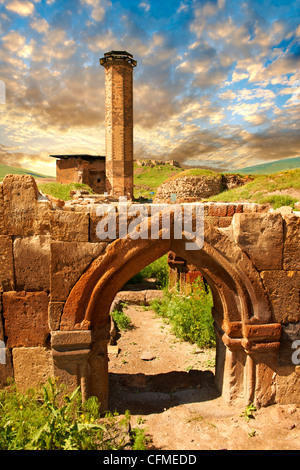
x=12, y=170
x=272, y=167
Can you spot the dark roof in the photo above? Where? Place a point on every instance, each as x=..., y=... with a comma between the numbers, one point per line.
x=82, y=156
x=118, y=53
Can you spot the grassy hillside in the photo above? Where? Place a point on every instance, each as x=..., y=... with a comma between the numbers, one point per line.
x=194, y=172
x=147, y=179
x=272, y=167
x=61, y=191
x=11, y=170
x=280, y=189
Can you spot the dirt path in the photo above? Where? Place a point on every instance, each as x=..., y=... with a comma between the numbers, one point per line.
x=168, y=387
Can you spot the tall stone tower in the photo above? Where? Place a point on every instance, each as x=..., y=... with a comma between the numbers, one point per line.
x=119, y=122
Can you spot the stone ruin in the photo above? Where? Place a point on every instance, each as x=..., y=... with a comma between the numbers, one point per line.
x=192, y=188
x=58, y=281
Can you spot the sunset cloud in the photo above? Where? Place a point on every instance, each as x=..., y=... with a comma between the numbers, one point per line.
x=215, y=84
x=21, y=7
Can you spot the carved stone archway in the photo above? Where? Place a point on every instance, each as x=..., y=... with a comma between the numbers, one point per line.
x=247, y=340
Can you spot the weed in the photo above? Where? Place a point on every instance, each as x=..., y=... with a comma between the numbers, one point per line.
x=248, y=412
x=48, y=419
x=121, y=320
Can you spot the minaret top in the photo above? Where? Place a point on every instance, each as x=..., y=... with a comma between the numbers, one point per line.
x=119, y=57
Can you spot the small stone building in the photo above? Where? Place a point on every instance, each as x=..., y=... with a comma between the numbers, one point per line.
x=86, y=169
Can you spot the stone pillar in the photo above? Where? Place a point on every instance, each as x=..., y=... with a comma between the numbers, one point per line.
x=178, y=269
x=70, y=352
x=119, y=122
x=246, y=362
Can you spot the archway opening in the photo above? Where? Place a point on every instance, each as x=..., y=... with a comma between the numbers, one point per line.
x=162, y=351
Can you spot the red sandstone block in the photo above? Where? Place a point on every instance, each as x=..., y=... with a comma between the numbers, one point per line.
x=230, y=210
x=26, y=318
x=218, y=210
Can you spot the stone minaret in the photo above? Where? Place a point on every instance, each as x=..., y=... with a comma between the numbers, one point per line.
x=119, y=122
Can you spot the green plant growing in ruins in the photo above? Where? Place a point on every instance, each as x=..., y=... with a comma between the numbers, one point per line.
x=189, y=315
x=248, y=412
x=48, y=419
x=122, y=321
x=158, y=270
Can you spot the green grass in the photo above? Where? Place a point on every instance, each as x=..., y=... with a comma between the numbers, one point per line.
x=44, y=419
x=159, y=270
x=196, y=172
x=61, y=191
x=12, y=170
x=272, y=167
x=147, y=179
x=189, y=315
x=258, y=190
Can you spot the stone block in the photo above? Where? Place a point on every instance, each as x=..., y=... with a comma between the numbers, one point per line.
x=212, y=220
x=7, y=281
x=291, y=251
x=69, y=226
x=2, y=225
x=283, y=288
x=32, y=263
x=68, y=262
x=26, y=318
x=224, y=222
x=24, y=214
x=288, y=385
x=269, y=333
x=231, y=208
x=32, y=366
x=6, y=370
x=260, y=236
x=71, y=340
x=55, y=311
x=218, y=210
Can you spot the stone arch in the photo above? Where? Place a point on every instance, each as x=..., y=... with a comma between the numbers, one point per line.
x=236, y=285
x=241, y=312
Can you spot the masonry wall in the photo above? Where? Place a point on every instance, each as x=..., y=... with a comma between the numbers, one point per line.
x=77, y=170
x=44, y=249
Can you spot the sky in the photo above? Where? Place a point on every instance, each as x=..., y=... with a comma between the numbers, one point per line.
x=217, y=82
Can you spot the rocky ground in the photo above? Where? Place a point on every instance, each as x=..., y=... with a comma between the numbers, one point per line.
x=168, y=387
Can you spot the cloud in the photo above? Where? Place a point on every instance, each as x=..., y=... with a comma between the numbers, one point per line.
x=40, y=25
x=21, y=7
x=98, y=8
x=145, y=6
x=13, y=41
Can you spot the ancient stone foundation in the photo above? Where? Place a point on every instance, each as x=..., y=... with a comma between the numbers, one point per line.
x=58, y=280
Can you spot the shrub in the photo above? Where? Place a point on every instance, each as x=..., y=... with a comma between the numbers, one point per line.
x=189, y=315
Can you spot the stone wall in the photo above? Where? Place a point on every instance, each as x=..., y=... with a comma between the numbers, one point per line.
x=77, y=170
x=195, y=188
x=47, y=250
